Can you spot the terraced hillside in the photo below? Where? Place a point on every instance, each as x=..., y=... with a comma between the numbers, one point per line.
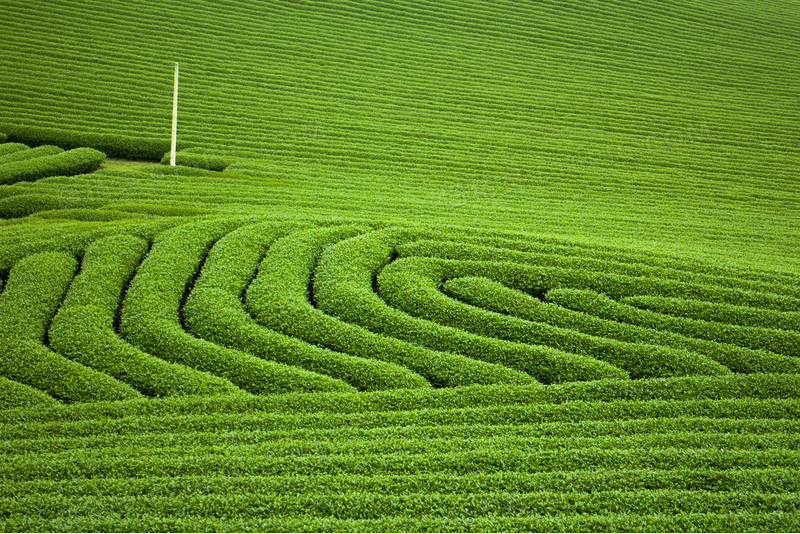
x=448, y=267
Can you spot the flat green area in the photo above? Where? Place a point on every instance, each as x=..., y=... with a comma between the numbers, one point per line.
x=117, y=164
x=423, y=266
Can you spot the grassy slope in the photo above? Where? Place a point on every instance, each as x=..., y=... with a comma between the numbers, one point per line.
x=670, y=127
x=655, y=126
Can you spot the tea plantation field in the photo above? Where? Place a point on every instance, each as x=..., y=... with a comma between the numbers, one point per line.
x=423, y=266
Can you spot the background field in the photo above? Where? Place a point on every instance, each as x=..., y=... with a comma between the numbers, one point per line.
x=670, y=126
x=447, y=266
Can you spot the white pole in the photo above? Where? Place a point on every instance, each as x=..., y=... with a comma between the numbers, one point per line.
x=174, y=119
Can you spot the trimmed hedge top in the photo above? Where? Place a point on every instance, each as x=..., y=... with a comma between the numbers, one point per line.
x=75, y=161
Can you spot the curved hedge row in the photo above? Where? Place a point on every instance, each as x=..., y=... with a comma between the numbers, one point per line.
x=113, y=144
x=75, y=161
x=34, y=291
x=214, y=311
x=22, y=155
x=493, y=296
x=412, y=287
x=26, y=204
x=279, y=299
x=12, y=148
x=83, y=328
x=595, y=260
x=717, y=312
x=345, y=289
x=151, y=316
x=17, y=395
x=777, y=341
x=618, y=279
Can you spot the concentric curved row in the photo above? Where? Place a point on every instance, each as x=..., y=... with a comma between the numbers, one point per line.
x=267, y=305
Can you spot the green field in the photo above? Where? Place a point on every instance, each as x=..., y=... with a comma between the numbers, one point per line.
x=423, y=266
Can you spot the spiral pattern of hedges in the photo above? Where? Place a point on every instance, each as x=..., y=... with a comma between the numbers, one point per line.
x=267, y=306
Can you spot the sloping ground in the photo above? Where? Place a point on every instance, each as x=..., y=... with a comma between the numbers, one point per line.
x=627, y=119
x=494, y=266
x=271, y=373
x=672, y=455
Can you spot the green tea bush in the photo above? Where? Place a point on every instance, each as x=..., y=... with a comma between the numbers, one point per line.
x=35, y=288
x=717, y=312
x=151, y=316
x=679, y=522
x=113, y=144
x=82, y=334
x=612, y=278
x=493, y=296
x=3, y=137
x=412, y=286
x=12, y=148
x=107, y=266
x=155, y=210
x=74, y=237
x=365, y=504
x=162, y=169
x=83, y=328
x=279, y=297
x=767, y=480
x=87, y=214
x=675, y=389
x=16, y=395
x=344, y=288
x=22, y=155
x=591, y=259
x=200, y=158
x=214, y=311
x=27, y=204
x=777, y=341
x=75, y=161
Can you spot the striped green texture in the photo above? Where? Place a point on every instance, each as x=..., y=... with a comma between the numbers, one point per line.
x=423, y=266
